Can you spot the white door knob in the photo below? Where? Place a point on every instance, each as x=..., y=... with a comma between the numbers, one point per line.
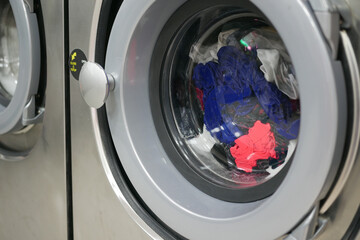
x=95, y=84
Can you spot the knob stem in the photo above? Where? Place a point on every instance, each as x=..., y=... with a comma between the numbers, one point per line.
x=111, y=82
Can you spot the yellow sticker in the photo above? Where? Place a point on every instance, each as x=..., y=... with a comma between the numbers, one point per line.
x=76, y=61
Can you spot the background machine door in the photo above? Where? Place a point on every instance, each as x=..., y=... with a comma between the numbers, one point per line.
x=22, y=77
x=33, y=203
x=226, y=119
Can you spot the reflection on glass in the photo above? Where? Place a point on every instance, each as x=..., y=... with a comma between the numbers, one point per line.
x=9, y=52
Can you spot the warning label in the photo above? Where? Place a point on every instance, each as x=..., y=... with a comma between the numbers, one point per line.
x=76, y=61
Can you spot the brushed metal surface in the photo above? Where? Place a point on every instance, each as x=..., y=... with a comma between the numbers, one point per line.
x=98, y=213
x=33, y=191
x=344, y=208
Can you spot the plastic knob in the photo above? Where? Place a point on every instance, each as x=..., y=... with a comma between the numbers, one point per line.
x=95, y=84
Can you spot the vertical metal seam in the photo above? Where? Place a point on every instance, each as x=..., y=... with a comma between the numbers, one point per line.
x=68, y=160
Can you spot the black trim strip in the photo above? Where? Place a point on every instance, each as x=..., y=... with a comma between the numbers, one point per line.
x=70, y=225
x=40, y=96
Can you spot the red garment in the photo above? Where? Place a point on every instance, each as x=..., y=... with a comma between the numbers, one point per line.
x=258, y=144
x=200, y=96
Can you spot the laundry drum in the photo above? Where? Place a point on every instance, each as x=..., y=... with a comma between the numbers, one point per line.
x=231, y=101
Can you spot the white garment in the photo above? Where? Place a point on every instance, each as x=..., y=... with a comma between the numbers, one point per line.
x=276, y=70
x=276, y=62
x=203, y=54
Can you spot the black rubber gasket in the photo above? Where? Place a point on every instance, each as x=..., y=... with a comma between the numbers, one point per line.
x=40, y=96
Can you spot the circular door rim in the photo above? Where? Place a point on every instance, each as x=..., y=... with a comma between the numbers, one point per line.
x=166, y=126
x=305, y=181
x=29, y=70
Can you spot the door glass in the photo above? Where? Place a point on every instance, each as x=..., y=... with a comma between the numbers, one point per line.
x=9, y=52
x=234, y=99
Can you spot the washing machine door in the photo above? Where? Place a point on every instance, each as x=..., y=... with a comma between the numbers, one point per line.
x=228, y=117
x=19, y=65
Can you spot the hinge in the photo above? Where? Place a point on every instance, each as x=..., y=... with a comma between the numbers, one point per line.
x=335, y=6
x=32, y=114
x=30, y=4
x=343, y=9
x=332, y=15
x=310, y=227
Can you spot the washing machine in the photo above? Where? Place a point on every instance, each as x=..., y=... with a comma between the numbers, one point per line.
x=229, y=119
x=32, y=115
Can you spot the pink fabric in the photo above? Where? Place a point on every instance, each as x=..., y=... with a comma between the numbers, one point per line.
x=258, y=144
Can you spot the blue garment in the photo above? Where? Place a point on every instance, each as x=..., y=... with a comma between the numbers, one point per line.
x=236, y=78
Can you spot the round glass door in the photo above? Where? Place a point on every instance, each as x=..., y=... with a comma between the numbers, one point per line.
x=20, y=97
x=9, y=53
x=19, y=65
x=206, y=111
x=230, y=99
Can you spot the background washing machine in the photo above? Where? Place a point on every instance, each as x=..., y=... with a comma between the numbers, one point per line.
x=32, y=141
x=174, y=135
x=97, y=212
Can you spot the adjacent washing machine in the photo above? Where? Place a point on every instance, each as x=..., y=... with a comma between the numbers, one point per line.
x=32, y=141
x=216, y=119
x=20, y=94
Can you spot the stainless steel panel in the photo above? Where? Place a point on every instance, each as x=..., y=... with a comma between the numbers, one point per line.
x=342, y=211
x=98, y=213
x=33, y=191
